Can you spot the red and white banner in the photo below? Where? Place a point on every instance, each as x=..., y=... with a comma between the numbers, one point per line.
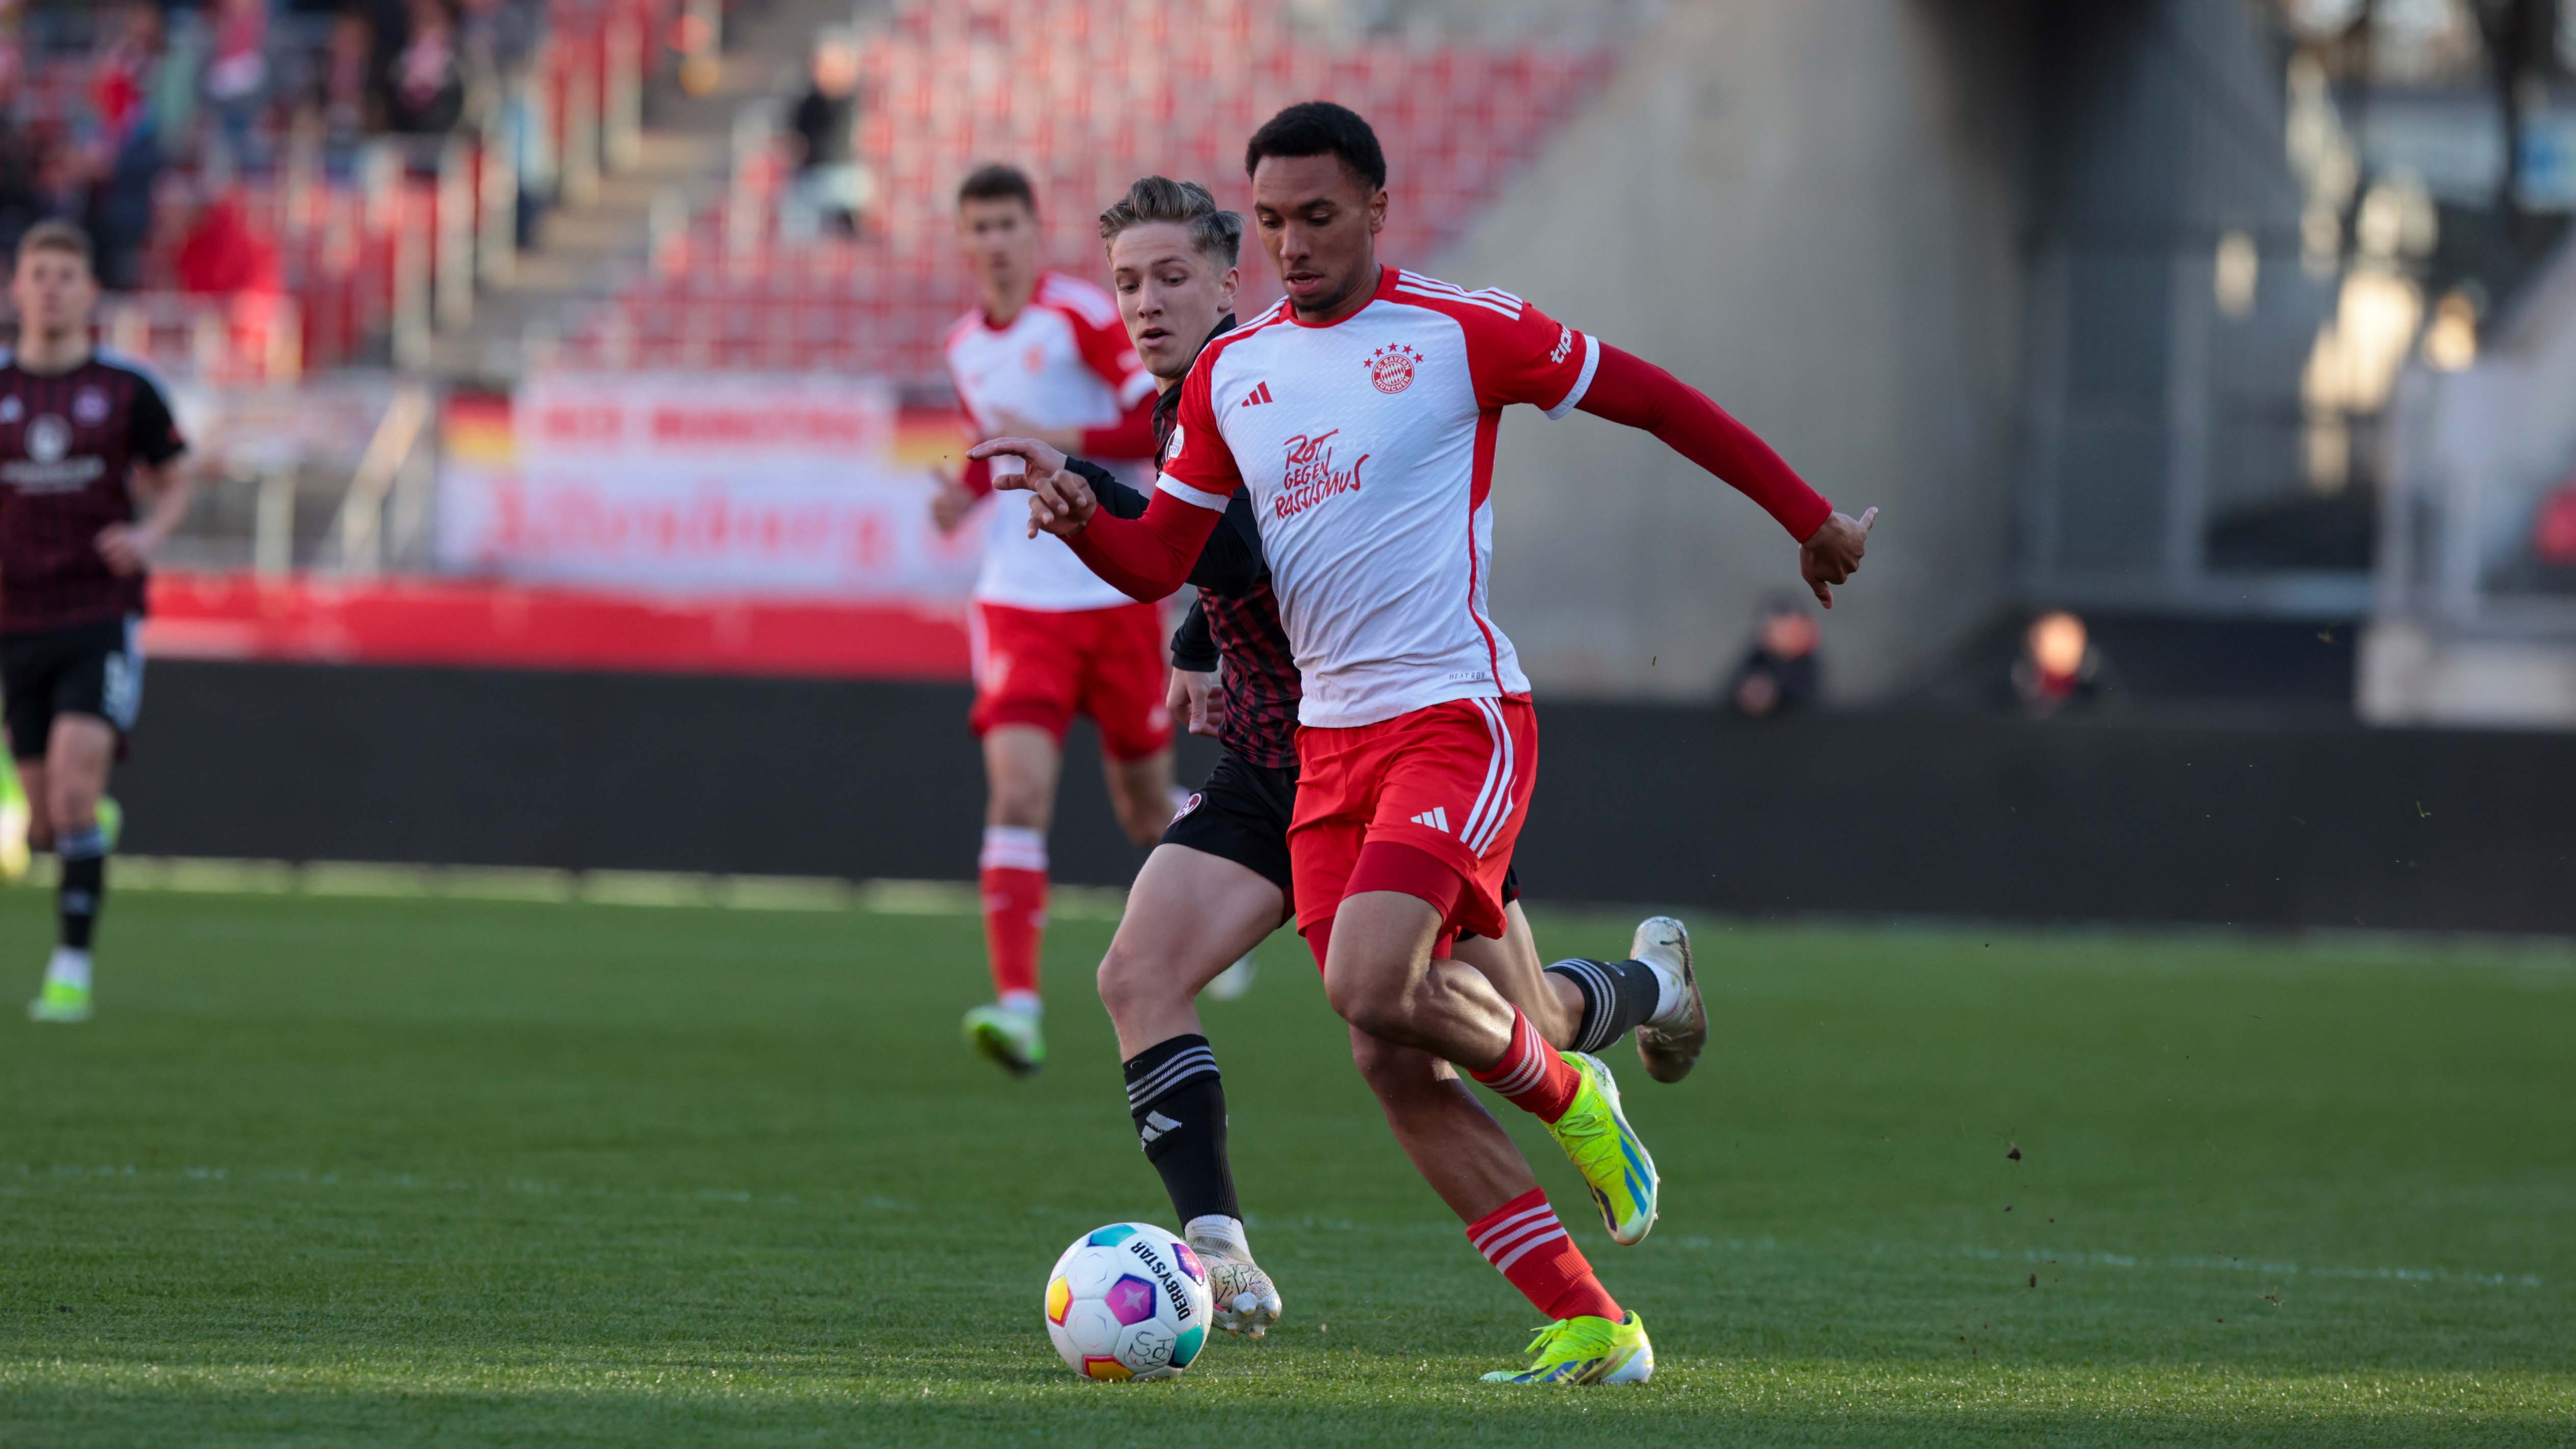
x=685, y=484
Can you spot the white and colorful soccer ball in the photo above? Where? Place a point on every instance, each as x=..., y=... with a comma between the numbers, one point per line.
x=1128, y=1301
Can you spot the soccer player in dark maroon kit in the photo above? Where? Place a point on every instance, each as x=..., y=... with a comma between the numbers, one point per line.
x=84, y=439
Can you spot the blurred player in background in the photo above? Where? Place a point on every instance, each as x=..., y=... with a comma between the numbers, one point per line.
x=84, y=439
x=1221, y=880
x=1361, y=414
x=1044, y=354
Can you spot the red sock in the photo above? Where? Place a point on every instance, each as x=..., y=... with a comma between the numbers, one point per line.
x=1531, y=1076
x=1014, y=878
x=1525, y=1243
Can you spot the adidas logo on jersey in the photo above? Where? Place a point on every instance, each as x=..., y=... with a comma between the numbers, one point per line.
x=1260, y=394
x=1437, y=817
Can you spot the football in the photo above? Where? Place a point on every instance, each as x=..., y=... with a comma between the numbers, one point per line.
x=1128, y=1301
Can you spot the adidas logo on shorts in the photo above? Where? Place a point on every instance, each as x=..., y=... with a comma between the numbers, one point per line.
x=1437, y=817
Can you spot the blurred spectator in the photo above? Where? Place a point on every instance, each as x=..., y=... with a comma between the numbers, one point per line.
x=1780, y=674
x=119, y=203
x=342, y=93
x=2553, y=533
x=21, y=206
x=237, y=74
x=428, y=74
x=223, y=255
x=2060, y=671
x=121, y=83
x=497, y=37
x=826, y=126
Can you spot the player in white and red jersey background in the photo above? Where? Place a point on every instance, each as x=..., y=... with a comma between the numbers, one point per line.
x=1045, y=355
x=1362, y=414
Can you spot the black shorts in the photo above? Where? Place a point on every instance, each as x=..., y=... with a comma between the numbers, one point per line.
x=1241, y=814
x=92, y=669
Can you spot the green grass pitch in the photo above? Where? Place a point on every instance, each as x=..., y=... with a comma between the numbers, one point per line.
x=388, y=1171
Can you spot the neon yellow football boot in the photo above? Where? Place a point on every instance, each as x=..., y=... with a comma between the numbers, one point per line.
x=1603, y=1147
x=1586, y=1351
x=60, y=1001
x=14, y=819
x=1010, y=1039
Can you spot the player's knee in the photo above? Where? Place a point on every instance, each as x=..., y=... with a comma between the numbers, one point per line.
x=1382, y=1064
x=1144, y=825
x=1379, y=1008
x=1019, y=806
x=1128, y=984
x=69, y=807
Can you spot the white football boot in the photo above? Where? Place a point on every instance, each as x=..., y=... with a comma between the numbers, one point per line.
x=1247, y=1302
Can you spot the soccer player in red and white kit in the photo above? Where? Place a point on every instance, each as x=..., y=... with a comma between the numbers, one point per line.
x=1045, y=355
x=84, y=438
x=1362, y=413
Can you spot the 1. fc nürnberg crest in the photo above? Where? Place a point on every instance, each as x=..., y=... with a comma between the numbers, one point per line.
x=1391, y=367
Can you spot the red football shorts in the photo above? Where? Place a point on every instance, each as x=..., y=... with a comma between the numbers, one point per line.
x=1041, y=668
x=1452, y=780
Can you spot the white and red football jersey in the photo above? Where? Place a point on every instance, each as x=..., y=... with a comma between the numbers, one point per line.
x=1063, y=362
x=1368, y=445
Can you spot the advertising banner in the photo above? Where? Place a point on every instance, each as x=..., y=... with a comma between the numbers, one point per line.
x=702, y=484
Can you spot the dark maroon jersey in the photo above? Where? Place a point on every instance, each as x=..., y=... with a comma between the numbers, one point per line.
x=1262, y=686
x=1261, y=683
x=69, y=443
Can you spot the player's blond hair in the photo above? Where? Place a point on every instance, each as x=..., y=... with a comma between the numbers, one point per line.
x=1218, y=235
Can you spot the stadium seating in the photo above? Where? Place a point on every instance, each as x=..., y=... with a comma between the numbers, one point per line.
x=1085, y=95
x=350, y=240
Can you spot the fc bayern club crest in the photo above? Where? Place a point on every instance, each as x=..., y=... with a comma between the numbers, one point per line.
x=1391, y=367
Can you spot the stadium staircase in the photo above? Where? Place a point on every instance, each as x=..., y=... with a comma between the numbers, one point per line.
x=1086, y=95
x=675, y=164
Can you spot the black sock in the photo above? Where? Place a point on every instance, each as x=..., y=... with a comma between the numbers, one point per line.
x=83, y=886
x=1618, y=996
x=1179, y=1105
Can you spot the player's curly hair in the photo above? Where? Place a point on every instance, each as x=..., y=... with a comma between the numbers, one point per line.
x=1217, y=234
x=1320, y=128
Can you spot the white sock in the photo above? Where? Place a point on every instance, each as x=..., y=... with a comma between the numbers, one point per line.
x=1671, y=992
x=68, y=968
x=1220, y=1230
x=1026, y=1003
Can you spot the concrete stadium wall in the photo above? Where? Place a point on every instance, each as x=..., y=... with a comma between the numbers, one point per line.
x=1810, y=211
x=1937, y=815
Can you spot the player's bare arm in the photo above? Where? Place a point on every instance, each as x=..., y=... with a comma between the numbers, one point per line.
x=165, y=491
x=950, y=499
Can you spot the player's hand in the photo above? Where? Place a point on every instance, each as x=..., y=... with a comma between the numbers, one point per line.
x=1833, y=554
x=125, y=547
x=1196, y=700
x=949, y=505
x=1059, y=501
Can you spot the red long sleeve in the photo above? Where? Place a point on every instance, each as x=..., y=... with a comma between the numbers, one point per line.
x=1146, y=558
x=1631, y=391
x=1132, y=436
